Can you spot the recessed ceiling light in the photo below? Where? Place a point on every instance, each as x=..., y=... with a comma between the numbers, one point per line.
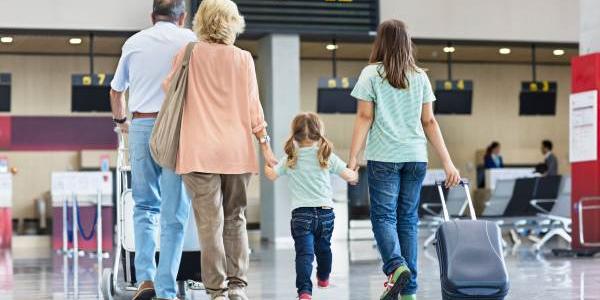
x=449, y=49
x=558, y=52
x=75, y=41
x=6, y=39
x=331, y=47
x=504, y=51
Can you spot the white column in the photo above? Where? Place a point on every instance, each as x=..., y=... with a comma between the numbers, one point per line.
x=589, y=28
x=278, y=68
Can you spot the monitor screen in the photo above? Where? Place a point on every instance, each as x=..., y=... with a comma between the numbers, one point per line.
x=5, y=98
x=453, y=102
x=335, y=101
x=537, y=103
x=90, y=98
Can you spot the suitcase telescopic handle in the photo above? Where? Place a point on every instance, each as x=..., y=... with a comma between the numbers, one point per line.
x=465, y=184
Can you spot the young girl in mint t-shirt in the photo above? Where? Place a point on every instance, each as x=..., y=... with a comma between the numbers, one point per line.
x=308, y=164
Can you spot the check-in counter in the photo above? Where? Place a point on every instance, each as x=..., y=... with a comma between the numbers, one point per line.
x=84, y=187
x=493, y=175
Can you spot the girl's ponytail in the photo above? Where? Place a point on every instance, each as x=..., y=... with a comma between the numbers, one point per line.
x=325, y=149
x=292, y=154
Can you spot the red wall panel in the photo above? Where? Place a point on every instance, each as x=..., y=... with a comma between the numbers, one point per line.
x=585, y=175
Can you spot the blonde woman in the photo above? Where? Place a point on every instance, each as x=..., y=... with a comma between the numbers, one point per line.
x=217, y=156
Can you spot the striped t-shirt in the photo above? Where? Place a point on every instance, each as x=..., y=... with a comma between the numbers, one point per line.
x=396, y=134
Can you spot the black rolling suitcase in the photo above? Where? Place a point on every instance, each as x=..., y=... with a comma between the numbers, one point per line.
x=470, y=256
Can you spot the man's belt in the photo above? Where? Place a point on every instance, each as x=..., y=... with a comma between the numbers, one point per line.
x=141, y=115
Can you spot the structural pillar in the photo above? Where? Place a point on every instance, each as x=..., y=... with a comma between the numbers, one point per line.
x=585, y=132
x=278, y=68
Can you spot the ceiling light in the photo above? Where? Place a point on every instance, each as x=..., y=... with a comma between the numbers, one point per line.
x=332, y=47
x=6, y=39
x=75, y=41
x=558, y=52
x=449, y=49
x=504, y=51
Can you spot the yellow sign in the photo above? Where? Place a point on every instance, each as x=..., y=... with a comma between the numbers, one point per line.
x=345, y=82
x=447, y=85
x=533, y=87
x=101, y=78
x=332, y=83
x=545, y=85
x=86, y=80
x=460, y=85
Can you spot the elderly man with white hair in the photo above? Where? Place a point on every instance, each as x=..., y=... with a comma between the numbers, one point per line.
x=145, y=61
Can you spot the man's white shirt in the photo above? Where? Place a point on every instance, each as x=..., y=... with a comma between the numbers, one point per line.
x=146, y=60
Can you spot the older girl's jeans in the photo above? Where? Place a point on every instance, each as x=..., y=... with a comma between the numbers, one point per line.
x=394, y=190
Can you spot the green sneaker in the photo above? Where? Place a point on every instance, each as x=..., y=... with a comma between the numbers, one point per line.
x=408, y=297
x=395, y=283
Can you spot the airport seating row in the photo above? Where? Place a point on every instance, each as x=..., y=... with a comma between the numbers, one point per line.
x=540, y=204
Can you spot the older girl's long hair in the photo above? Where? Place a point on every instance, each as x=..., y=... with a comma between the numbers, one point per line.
x=393, y=48
x=308, y=127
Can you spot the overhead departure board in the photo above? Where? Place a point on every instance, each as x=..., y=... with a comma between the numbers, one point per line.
x=90, y=93
x=333, y=96
x=5, y=92
x=537, y=98
x=454, y=97
x=313, y=17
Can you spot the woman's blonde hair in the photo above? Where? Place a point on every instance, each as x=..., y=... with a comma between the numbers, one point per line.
x=308, y=127
x=218, y=21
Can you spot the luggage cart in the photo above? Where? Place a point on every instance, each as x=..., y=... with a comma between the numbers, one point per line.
x=188, y=277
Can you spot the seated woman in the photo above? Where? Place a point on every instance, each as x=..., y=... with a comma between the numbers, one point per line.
x=492, y=158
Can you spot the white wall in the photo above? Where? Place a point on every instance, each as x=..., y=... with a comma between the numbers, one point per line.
x=41, y=85
x=506, y=20
x=110, y=15
x=589, y=26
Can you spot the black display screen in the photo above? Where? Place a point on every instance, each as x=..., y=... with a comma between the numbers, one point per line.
x=90, y=98
x=537, y=98
x=5, y=98
x=537, y=103
x=90, y=93
x=457, y=102
x=335, y=101
x=5, y=88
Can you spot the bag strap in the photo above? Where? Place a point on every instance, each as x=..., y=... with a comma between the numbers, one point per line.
x=188, y=53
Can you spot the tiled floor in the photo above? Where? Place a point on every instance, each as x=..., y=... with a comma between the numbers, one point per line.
x=533, y=276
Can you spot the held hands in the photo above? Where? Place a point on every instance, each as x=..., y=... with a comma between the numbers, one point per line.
x=351, y=174
x=353, y=178
x=452, y=175
x=270, y=159
x=270, y=173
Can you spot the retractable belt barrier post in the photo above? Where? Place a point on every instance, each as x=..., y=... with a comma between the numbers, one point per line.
x=99, y=226
x=65, y=234
x=74, y=220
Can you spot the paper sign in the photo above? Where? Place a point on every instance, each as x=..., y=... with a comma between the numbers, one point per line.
x=583, y=126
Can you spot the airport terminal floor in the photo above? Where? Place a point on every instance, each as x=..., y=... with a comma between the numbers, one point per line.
x=534, y=275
